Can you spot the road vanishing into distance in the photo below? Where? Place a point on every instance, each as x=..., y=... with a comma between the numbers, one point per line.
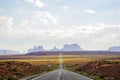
x=61, y=74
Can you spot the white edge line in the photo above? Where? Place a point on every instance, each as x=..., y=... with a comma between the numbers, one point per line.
x=40, y=76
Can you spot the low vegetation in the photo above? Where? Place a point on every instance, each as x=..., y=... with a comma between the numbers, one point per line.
x=98, y=67
x=105, y=70
x=14, y=69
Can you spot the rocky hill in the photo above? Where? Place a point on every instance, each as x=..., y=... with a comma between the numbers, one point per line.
x=55, y=49
x=71, y=47
x=66, y=47
x=36, y=49
x=106, y=70
x=8, y=52
x=115, y=48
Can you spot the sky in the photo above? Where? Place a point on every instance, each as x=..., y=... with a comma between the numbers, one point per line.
x=93, y=24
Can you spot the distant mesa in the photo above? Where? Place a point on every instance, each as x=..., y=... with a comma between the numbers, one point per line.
x=71, y=47
x=8, y=52
x=115, y=48
x=55, y=49
x=36, y=49
x=66, y=47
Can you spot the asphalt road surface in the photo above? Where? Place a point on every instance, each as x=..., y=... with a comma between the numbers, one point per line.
x=61, y=74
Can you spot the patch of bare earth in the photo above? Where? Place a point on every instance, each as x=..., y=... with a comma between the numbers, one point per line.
x=15, y=70
x=105, y=69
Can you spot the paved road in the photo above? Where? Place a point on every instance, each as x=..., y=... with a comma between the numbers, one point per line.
x=61, y=74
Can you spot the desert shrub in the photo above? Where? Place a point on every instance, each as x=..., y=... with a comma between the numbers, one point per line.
x=14, y=69
x=1, y=79
x=11, y=78
x=20, y=75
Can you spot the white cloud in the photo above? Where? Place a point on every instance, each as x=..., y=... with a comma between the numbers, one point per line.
x=44, y=18
x=5, y=23
x=29, y=1
x=20, y=11
x=65, y=8
x=38, y=18
x=1, y=10
x=118, y=11
x=24, y=23
x=90, y=11
x=37, y=3
x=91, y=35
x=44, y=27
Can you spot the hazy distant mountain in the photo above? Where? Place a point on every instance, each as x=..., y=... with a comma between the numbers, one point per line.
x=115, y=48
x=75, y=49
x=66, y=47
x=71, y=47
x=8, y=52
x=36, y=49
x=55, y=49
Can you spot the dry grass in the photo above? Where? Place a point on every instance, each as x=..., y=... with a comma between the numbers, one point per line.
x=54, y=59
x=77, y=59
x=71, y=62
x=32, y=59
